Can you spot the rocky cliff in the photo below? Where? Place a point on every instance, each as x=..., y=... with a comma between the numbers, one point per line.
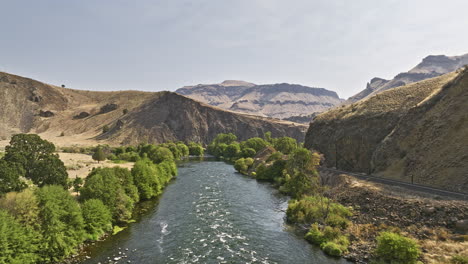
x=431, y=66
x=274, y=100
x=67, y=116
x=415, y=132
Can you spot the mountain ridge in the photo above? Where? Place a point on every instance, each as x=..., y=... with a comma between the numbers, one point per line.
x=431, y=66
x=30, y=106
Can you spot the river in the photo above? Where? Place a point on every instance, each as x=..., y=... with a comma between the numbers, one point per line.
x=211, y=214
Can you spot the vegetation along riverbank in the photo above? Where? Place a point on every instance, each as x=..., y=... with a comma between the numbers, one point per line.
x=46, y=217
x=344, y=216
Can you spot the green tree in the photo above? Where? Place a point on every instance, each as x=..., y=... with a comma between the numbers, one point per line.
x=97, y=218
x=77, y=183
x=224, y=138
x=50, y=170
x=18, y=244
x=99, y=155
x=183, y=149
x=248, y=152
x=256, y=143
x=103, y=184
x=24, y=206
x=160, y=154
x=37, y=158
x=62, y=222
x=146, y=179
x=10, y=174
x=195, y=149
x=232, y=151
x=285, y=144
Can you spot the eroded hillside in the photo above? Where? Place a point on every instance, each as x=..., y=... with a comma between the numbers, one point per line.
x=67, y=116
x=415, y=131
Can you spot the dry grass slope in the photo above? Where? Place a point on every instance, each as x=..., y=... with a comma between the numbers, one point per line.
x=419, y=129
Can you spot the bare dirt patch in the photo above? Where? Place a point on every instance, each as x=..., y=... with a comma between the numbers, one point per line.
x=80, y=165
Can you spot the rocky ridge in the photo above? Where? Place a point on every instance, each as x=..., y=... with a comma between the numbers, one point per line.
x=431, y=66
x=272, y=100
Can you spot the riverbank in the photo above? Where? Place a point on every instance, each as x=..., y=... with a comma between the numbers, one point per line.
x=436, y=222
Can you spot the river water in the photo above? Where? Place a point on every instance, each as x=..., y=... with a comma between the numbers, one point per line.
x=211, y=214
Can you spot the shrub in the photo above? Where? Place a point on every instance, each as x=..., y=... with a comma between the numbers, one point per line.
x=315, y=236
x=330, y=240
x=312, y=209
x=105, y=129
x=395, y=248
x=332, y=249
x=241, y=166
x=458, y=259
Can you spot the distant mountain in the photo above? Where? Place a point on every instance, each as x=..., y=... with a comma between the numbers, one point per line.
x=29, y=106
x=431, y=66
x=272, y=100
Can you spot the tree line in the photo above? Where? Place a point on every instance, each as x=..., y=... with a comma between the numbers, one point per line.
x=42, y=222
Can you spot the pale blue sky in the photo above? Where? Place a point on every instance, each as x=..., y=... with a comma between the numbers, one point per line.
x=164, y=45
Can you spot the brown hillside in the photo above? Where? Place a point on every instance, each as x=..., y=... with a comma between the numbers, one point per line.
x=170, y=116
x=418, y=129
x=29, y=106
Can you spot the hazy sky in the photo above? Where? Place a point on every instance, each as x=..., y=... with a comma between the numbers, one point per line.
x=164, y=45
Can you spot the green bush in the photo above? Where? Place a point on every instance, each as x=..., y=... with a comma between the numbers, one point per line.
x=458, y=259
x=312, y=209
x=315, y=236
x=395, y=248
x=129, y=156
x=330, y=240
x=242, y=165
x=332, y=249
